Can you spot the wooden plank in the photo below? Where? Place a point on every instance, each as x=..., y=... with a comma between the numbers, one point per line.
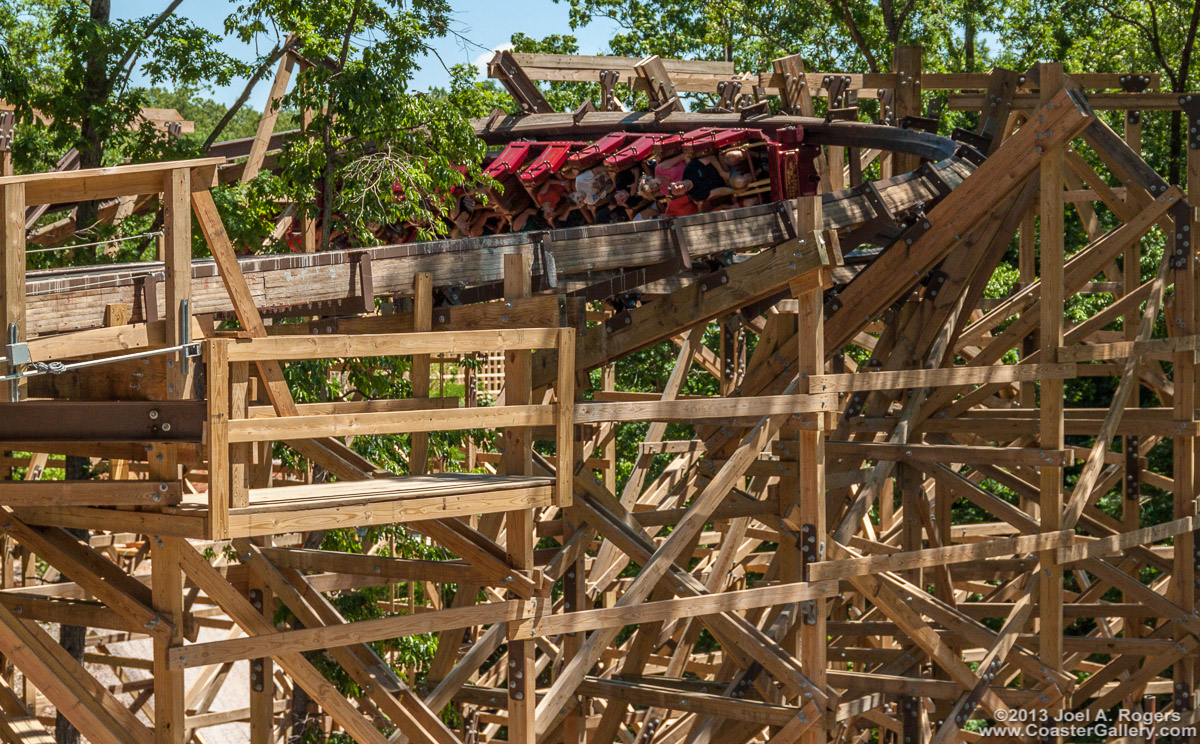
x=69, y=687
x=706, y=408
x=944, y=376
x=1125, y=349
x=92, y=493
x=362, y=631
x=952, y=453
x=948, y=555
x=396, y=569
x=323, y=692
x=219, y=475
x=418, y=460
x=108, y=183
x=253, y=521
x=270, y=115
x=543, y=622
x=1114, y=544
x=286, y=349
x=388, y=422
x=693, y=76
x=565, y=424
x=170, y=712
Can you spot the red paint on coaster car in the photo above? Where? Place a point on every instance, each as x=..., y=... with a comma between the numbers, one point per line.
x=594, y=152
x=701, y=142
x=511, y=158
x=792, y=170
x=549, y=162
x=659, y=145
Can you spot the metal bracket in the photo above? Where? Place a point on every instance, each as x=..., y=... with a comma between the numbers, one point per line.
x=11, y=352
x=1132, y=469
x=978, y=142
x=713, y=280
x=729, y=91
x=934, y=283
x=618, y=321
x=887, y=109
x=7, y=121
x=832, y=305
x=608, y=83
x=920, y=123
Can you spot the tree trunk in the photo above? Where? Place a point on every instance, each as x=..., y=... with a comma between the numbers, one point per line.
x=969, y=23
x=95, y=95
x=71, y=637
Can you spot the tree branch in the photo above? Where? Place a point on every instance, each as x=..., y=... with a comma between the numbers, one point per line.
x=132, y=52
x=245, y=95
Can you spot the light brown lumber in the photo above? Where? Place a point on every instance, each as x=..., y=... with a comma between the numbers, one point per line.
x=709, y=408
x=951, y=453
x=958, y=375
x=170, y=711
x=220, y=491
x=94, y=184
x=1125, y=349
x=332, y=636
x=89, y=570
x=12, y=272
x=1115, y=544
x=520, y=538
x=418, y=457
x=542, y=622
x=388, y=422
x=92, y=493
x=398, y=569
x=99, y=716
x=295, y=348
x=323, y=692
x=270, y=115
x=670, y=698
x=948, y=555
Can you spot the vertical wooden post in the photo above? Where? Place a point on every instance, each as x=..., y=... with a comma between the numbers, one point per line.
x=811, y=466
x=608, y=431
x=518, y=525
x=177, y=255
x=262, y=673
x=1185, y=323
x=418, y=461
x=566, y=460
x=907, y=102
x=1050, y=585
x=12, y=273
x=217, y=361
x=575, y=596
x=1027, y=274
x=169, y=689
x=241, y=454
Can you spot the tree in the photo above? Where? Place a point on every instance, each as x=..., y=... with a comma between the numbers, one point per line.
x=373, y=152
x=76, y=92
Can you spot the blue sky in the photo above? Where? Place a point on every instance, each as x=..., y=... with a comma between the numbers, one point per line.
x=483, y=25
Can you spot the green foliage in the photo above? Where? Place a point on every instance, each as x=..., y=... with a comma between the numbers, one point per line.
x=369, y=134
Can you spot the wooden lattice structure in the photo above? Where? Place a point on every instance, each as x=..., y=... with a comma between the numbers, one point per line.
x=793, y=572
